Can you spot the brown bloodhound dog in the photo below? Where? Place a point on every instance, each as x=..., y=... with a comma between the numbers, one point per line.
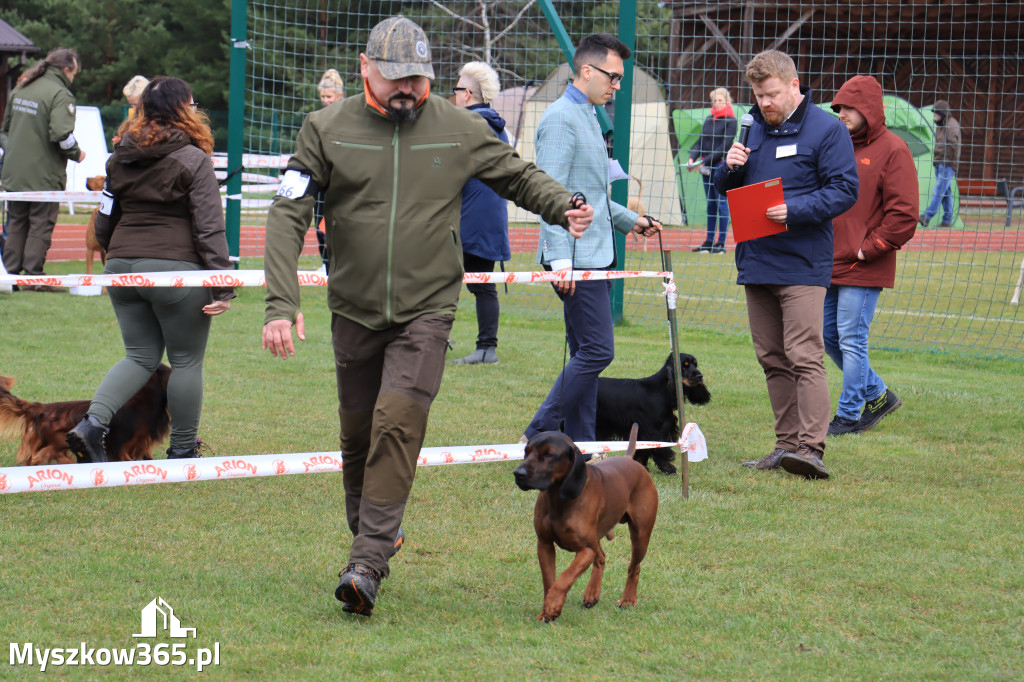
x=578, y=505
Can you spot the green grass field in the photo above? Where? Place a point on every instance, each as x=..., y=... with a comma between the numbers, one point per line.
x=906, y=564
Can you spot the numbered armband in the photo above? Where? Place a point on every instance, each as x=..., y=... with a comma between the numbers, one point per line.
x=297, y=183
x=107, y=201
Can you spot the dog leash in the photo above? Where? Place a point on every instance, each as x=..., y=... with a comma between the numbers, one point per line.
x=577, y=200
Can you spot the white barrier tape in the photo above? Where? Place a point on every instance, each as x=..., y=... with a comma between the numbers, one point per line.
x=254, y=160
x=144, y=472
x=693, y=443
x=256, y=278
x=671, y=296
x=53, y=197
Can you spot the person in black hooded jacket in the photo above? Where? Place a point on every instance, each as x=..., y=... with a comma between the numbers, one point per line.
x=161, y=212
x=483, y=227
x=716, y=136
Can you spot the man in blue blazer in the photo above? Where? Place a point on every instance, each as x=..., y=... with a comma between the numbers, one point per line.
x=571, y=148
x=786, y=275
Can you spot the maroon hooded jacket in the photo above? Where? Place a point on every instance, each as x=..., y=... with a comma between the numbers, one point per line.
x=885, y=215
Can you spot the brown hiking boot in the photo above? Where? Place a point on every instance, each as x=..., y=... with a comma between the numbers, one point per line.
x=769, y=461
x=806, y=462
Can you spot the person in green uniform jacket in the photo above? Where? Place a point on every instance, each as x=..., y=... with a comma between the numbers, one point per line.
x=392, y=163
x=37, y=138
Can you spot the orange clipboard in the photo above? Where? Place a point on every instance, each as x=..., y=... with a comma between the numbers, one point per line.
x=747, y=206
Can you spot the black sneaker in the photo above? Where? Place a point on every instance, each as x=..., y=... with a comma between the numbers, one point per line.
x=769, y=461
x=841, y=425
x=703, y=248
x=358, y=589
x=88, y=440
x=875, y=409
x=806, y=462
x=717, y=248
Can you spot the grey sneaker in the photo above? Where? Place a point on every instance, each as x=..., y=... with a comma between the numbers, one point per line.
x=769, y=461
x=875, y=409
x=481, y=356
x=358, y=589
x=806, y=462
x=841, y=425
x=88, y=440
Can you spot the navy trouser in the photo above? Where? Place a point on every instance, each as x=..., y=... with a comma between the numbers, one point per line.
x=590, y=335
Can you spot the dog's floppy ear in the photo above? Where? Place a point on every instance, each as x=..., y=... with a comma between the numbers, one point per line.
x=572, y=485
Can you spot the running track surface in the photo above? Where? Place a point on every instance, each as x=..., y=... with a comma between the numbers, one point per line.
x=69, y=241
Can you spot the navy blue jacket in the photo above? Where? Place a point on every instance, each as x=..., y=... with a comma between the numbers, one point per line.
x=484, y=225
x=819, y=182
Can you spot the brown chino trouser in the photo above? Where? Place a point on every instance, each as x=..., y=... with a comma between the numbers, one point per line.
x=29, y=230
x=786, y=327
x=387, y=381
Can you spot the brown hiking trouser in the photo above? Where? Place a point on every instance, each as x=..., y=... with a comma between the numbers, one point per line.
x=387, y=381
x=786, y=327
x=29, y=231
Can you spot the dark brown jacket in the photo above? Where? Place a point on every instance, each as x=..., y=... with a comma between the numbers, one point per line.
x=885, y=215
x=169, y=205
x=947, y=136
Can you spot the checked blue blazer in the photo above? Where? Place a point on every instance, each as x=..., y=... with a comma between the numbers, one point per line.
x=571, y=149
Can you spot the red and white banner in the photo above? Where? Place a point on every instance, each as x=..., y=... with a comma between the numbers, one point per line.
x=256, y=278
x=53, y=197
x=144, y=472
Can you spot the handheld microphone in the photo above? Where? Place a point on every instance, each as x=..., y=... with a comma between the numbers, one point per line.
x=745, y=122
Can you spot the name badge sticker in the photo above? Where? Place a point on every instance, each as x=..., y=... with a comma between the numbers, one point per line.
x=785, y=150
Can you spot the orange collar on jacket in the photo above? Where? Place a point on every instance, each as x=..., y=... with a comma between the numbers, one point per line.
x=372, y=101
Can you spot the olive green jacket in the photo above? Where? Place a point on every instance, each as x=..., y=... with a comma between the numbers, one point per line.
x=393, y=200
x=37, y=135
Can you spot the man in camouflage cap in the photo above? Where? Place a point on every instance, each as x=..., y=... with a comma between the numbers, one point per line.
x=391, y=162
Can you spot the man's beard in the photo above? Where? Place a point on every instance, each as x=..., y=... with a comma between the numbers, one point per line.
x=401, y=114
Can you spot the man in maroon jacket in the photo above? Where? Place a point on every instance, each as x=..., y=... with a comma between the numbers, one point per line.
x=867, y=238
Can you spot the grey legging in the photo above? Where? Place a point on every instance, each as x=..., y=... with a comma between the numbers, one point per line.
x=153, y=319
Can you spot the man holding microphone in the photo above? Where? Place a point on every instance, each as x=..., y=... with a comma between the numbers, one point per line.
x=785, y=275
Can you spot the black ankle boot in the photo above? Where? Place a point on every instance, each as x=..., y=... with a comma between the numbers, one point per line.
x=88, y=440
x=187, y=453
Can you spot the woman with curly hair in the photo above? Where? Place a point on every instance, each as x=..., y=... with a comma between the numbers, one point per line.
x=161, y=212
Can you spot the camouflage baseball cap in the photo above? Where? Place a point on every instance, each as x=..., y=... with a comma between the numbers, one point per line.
x=400, y=49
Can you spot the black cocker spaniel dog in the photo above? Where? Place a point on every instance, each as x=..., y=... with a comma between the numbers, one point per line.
x=651, y=403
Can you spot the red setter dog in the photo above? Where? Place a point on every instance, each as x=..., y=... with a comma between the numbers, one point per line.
x=136, y=428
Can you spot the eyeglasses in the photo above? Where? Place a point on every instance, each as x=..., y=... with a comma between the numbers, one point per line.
x=456, y=91
x=613, y=77
x=194, y=105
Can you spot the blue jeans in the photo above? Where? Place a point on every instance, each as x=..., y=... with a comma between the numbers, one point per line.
x=942, y=192
x=590, y=334
x=718, y=211
x=848, y=314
